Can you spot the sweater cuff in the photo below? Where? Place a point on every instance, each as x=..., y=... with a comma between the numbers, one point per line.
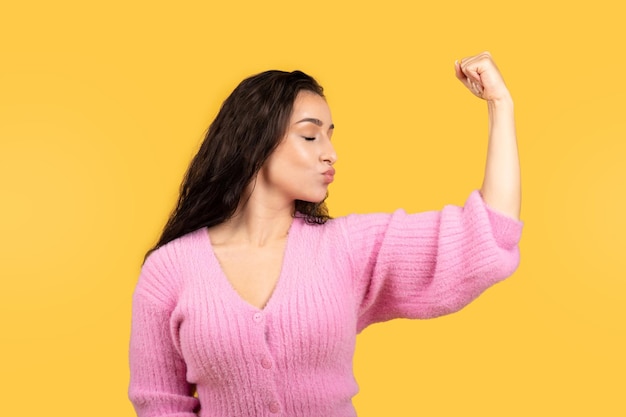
x=506, y=230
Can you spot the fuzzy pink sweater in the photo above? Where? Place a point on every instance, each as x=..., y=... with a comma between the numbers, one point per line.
x=192, y=331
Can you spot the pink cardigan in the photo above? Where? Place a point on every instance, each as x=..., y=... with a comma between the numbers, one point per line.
x=191, y=330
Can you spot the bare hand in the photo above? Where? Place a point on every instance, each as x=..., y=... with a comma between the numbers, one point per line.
x=481, y=76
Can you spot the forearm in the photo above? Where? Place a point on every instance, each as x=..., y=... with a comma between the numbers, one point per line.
x=501, y=188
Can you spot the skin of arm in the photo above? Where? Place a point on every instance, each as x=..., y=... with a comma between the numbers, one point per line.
x=501, y=188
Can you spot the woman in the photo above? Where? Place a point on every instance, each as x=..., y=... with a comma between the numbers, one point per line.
x=250, y=303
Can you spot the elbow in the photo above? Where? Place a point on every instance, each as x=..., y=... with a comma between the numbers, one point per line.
x=473, y=282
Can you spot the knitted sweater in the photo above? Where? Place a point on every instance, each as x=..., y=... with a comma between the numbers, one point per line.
x=191, y=331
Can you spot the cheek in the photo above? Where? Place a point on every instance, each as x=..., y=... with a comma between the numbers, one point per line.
x=293, y=156
x=303, y=155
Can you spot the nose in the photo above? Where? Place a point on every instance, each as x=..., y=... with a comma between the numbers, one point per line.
x=329, y=155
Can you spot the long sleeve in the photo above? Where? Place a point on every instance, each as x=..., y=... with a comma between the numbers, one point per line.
x=429, y=264
x=158, y=386
x=192, y=330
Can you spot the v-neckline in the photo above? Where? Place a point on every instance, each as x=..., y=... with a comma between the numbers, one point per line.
x=227, y=286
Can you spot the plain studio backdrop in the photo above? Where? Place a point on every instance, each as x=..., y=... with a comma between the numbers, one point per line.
x=103, y=104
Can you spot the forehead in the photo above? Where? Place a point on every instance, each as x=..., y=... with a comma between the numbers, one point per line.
x=310, y=105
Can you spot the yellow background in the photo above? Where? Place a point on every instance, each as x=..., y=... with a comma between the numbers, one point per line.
x=103, y=104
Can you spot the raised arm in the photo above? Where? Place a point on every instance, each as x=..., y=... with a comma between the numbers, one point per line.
x=501, y=188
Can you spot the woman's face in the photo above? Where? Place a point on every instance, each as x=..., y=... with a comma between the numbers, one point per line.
x=301, y=167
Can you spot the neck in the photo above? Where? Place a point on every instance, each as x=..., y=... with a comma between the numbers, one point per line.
x=255, y=223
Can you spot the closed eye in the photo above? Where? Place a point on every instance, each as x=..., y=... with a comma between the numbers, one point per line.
x=308, y=138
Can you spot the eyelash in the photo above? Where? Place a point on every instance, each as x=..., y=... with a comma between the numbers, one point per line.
x=308, y=138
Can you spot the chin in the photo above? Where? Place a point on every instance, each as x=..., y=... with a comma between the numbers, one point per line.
x=314, y=199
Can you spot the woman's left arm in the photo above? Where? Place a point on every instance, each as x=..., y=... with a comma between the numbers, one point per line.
x=501, y=188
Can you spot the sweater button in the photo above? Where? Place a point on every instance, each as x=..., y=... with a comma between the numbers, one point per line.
x=266, y=362
x=258, y=317
x=274, y=407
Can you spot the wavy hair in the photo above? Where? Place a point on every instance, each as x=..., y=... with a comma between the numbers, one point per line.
x=249, y=126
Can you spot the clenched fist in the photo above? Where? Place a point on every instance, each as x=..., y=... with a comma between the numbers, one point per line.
x=481, y=76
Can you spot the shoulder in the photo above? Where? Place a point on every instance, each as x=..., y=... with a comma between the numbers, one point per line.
x=163, y=271
x=363, y=226
x=179, y=247
x=346, y=225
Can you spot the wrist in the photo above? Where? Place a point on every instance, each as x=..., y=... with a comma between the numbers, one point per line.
x=505, y=102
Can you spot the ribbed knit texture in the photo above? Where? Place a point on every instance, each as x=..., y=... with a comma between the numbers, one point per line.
x=294, y=357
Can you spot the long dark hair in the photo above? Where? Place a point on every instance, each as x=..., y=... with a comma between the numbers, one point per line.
x=250, y=124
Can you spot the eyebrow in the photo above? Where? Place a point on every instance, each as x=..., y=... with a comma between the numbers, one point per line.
x=317, y=122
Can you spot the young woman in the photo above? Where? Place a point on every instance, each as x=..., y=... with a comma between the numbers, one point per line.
x=250, y=302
